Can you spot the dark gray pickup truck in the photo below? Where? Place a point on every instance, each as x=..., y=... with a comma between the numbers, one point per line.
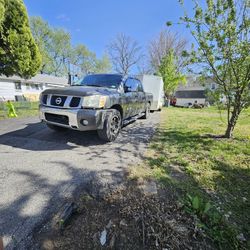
x=102, y=102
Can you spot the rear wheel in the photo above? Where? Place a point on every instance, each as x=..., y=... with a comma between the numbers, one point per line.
x=111, y=127
x=56, y=128
x=147, y=111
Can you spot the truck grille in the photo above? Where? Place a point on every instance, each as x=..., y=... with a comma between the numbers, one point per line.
x=62, y=119
x=75, y=101
x=58, y=100
x=44, y=99
x=63, y=101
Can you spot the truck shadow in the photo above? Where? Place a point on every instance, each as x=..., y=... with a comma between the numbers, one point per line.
x=92, y=166
x=37, y=137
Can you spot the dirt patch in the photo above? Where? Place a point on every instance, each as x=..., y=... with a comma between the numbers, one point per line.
x=127, y=218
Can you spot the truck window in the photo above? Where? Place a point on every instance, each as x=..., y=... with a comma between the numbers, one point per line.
x=131, y=85
x=140, y=87
x=100, y=80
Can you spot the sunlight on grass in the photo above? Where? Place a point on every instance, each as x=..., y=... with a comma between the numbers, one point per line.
x=23, y=109
x=214, y=169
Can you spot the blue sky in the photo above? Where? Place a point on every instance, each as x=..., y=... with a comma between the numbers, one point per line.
x=95, y=22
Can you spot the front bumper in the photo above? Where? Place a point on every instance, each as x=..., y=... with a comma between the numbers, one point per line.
x=79, y=119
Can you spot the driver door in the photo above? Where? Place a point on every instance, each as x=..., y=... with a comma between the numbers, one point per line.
x=131, y=95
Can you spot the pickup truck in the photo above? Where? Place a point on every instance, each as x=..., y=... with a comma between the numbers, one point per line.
x=102, y=102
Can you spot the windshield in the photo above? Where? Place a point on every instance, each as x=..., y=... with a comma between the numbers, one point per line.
x=107, y=81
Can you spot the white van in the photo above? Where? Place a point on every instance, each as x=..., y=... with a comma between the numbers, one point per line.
x=154, y=84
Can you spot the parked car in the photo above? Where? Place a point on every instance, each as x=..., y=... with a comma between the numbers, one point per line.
x=102, y=102
x=154, y=84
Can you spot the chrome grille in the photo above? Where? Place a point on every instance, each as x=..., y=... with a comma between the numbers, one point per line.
x=57, y=100
x=75, y=101
x=61, y=101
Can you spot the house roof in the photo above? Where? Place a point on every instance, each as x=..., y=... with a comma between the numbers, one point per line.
x=39, y=78
x=194, y=83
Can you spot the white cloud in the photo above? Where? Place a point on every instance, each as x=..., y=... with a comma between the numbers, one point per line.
x=63, y=17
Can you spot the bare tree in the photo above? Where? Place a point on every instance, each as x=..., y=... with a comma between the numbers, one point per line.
x=124, y=52
x=163, y=44
x=144, y=66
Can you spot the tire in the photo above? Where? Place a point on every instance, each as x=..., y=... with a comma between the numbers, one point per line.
x=147, y=111
x=56, y=128
x=111, y=127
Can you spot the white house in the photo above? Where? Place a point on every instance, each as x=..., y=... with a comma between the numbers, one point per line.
x=193, y=91
x=15, y=88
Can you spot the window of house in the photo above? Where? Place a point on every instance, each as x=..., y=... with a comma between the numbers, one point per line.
x=190, y=94
x=36, y=86
x=27, y=86
x=18, y=86
x=33, y=86
x=213, y=86
x=19, y=98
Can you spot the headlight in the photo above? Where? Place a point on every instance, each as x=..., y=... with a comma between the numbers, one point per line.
x=94, y=101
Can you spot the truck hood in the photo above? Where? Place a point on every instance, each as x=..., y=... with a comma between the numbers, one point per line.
x=80, y=91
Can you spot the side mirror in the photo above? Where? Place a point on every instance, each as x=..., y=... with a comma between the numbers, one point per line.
x=127, y=89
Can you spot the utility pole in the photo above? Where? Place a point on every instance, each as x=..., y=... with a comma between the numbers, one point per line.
x=69, y=74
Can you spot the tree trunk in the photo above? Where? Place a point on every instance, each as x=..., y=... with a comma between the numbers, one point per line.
x=231, y=123
x=229, y=131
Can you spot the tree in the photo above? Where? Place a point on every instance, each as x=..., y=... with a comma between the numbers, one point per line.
x=19, y=54
x=88, y=62
x=55, y=47
x=59, y=57
x=144, y=66
x=102, y=65
x=2, y=13
x=42, y=34
x=124, y=52
x=160, y=46
x=221, y=31
x=60, y=51
x=83, y=58
x=168, y=70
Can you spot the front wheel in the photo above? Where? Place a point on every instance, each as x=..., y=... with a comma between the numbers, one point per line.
x=147, y=111
x=111, y=127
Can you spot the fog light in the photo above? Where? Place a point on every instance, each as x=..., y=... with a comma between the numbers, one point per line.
x=85, y=122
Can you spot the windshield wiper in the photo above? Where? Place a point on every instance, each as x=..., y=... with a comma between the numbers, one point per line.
x=85, y=85
x=93, y=85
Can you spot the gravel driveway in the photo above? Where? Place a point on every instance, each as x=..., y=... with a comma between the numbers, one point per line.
x=40, y=168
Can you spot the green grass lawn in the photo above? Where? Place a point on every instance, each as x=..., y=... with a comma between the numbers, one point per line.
x=23, y=109
x=211, y=176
